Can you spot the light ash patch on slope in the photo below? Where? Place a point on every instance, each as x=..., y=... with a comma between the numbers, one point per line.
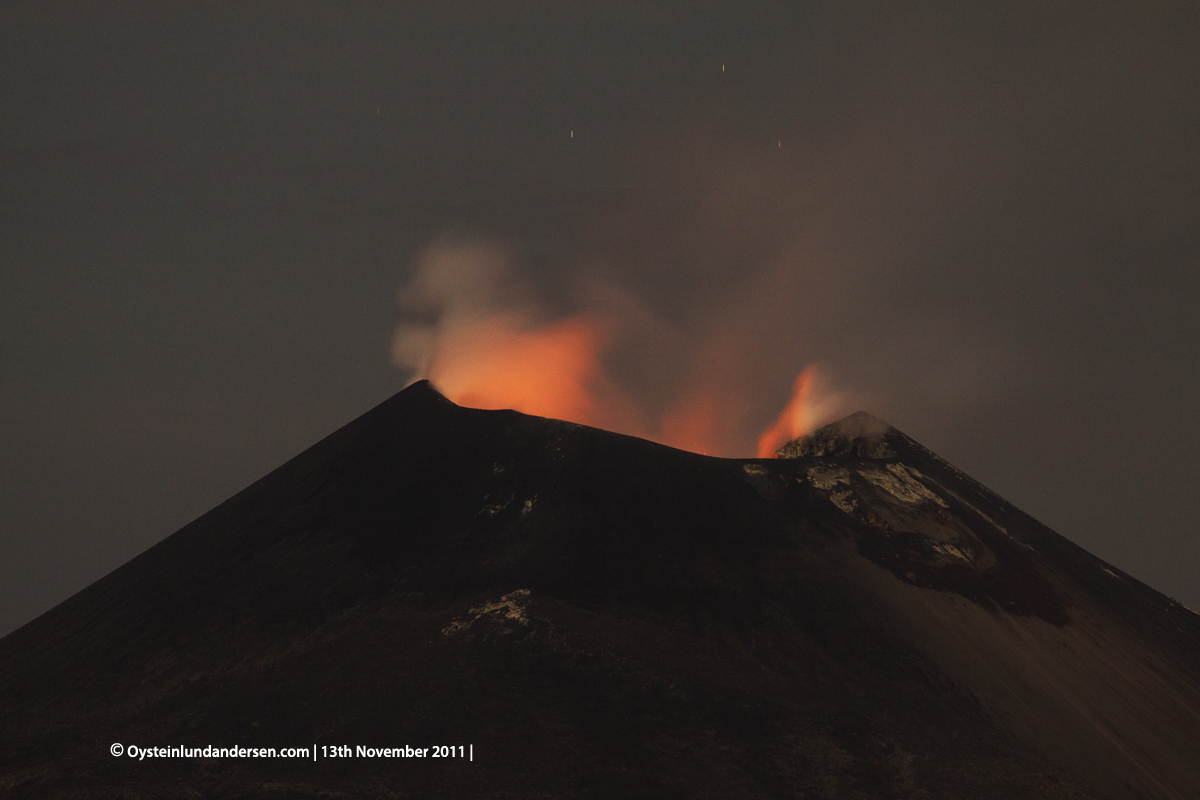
x=950, y=550
x=762, y=479
x=828, y=477
x=903, y=483
x=900, y=481
x=836, y=481
x=844, y=500
x=510, y=607
x=492, y=509
x=895, y=501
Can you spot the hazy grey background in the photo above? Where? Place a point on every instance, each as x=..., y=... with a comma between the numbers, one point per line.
x=983, y=222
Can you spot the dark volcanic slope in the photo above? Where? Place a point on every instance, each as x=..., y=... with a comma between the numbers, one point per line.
x=605, y=617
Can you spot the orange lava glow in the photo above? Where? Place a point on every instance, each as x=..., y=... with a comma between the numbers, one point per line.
x=547, y=371
x=797, y=419
x=689, y=426
x=482, y=337
x=554, y=370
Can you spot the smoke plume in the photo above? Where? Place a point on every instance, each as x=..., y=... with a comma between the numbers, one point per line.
x=755, y=272
x=720, y=300
x=481, y=332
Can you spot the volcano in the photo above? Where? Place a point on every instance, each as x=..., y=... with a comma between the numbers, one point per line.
x=437, y=601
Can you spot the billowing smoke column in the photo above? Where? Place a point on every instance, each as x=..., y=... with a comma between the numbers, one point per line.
x=480, y=333
x=690, y=303
x=485, y=342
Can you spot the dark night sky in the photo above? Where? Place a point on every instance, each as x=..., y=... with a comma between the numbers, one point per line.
x=983, y=221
